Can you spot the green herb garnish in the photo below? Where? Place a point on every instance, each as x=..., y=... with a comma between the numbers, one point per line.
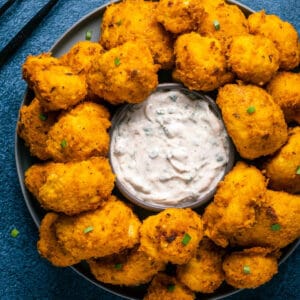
x=186, y=239
x=251, y=110
x=14, y=232
x=275, y=227
x=63, y=144
x=298, y=170
x=119, y=23
x=117, y=61
x=246, y=270
x=88, y=229
x=217, y=25
x=88, y=35
x=118, y=266
x=43, y=117
x=171, y=287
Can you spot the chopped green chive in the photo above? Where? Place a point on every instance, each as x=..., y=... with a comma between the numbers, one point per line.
x=298, y=170
x=186, y=239
x=117, y=61
x=14, y=232
x=251, y=110
x=171, y=287
x=63, y=144
x=217, y=25
x=118, y=266
x=88, y=35
x=88, y=229
x=43, y=117
x=275, y=227
x=246, y=270
x=119, y=23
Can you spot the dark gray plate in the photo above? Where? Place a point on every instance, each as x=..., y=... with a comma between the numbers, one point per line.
x=24, y=161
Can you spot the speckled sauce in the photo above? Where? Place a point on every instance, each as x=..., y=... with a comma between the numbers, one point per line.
x=170, y=149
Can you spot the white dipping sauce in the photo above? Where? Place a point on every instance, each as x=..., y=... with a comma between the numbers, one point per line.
x=169, y=149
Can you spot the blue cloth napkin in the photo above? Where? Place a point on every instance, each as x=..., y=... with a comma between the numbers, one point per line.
x=23, y=273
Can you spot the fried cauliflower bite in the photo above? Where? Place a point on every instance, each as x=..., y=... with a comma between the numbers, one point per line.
x=80, y=133
x=282, y=169
x=178, y=16
x=199, y=62
x=168, y=288
x=253, y=120
x=283, y=34
x=203, y=273
x=56, y=86
x=105, y=231
x=222, y=21
x=235, y=202
x=131, y=268
x=48, y=246
x=124, y=74
x=277, y=223
x=285, y=90
x=73, y=187
x=172, y=235
x=33, y=127
x=254, y=59
x=135, y=20
x=250, y=268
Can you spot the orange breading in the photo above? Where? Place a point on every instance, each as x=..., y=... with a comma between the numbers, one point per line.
x=48, y=246
x=80, y=133
x=253, y=120
x=283, y=34
x=172, y=235
x=250, y=268
x=130, y=268
x=124, y=74
x=234, y=206
x=101, y=232
x=73, y=187
x=33, y=127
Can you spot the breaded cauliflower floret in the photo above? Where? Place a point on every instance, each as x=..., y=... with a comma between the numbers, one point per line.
x=48, y=245
x=172, y=235
x=130, y=268
x=55, y=85
x=199, y=62
x=80, y=133
x=203, y=273
x=124, y=74
x=178, y=16
x=235, y=202
x=285, y=90
x=250, y=268
x=168, y=288
x=33, y=128
x=105, y=231
x=253, y=120
x=73, y=187
x=254, y=59
x=135, y=20
x=283, y=34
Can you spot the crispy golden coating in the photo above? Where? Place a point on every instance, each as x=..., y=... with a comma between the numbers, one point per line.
x=249, y=268
x=48, y=246
x=129, y=269
x=168, y=288
x=33, y=127
x=203, y=273
x=285, y=90
x=105, y=231
x=80, y=133
x=56, y=86
x=283, y=34
x=179, y=16
x=283, y=168
x=234, y=206
x=124, y=74
x=199, y=62
x=277, y=223
x=172, y=235
x=222, y=21
x=73, y=187
x=254, y=59
x=135, y=20
x=252, y=119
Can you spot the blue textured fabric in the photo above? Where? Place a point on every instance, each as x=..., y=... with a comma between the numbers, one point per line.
x=23, y=274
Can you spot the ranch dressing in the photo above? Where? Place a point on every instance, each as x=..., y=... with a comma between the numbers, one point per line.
x=169, y=150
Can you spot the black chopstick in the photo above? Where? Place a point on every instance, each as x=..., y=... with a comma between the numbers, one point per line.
x=5, y=6
x=19, y=38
